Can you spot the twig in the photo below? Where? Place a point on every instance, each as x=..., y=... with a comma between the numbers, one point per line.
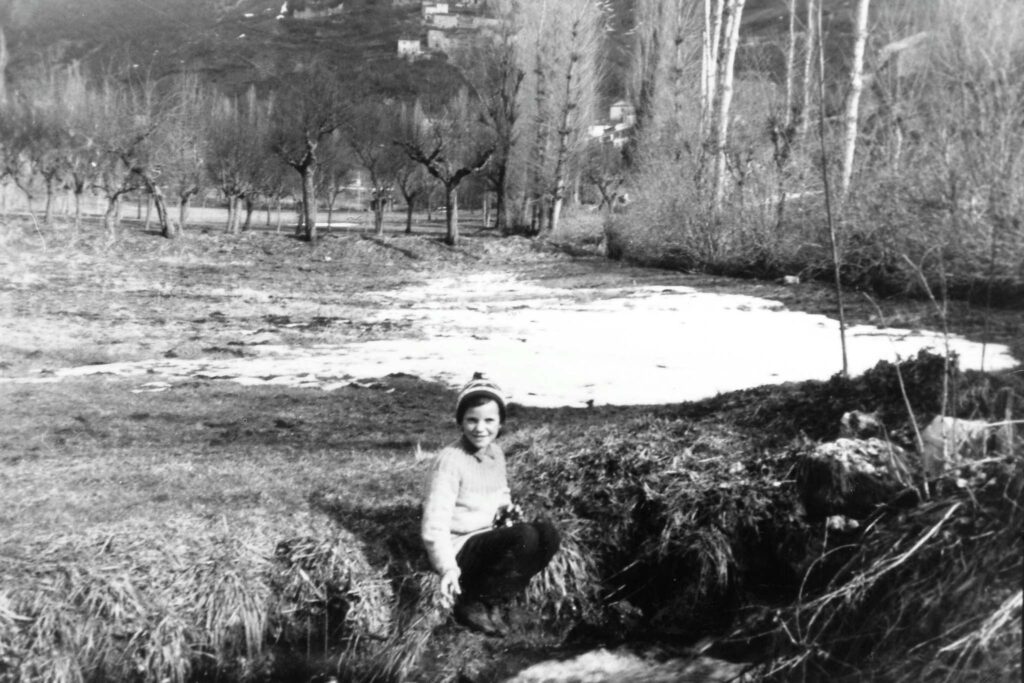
x=919, y=441
x=828, y=194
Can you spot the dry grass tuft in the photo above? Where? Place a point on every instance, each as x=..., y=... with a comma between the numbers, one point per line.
x=930, y=594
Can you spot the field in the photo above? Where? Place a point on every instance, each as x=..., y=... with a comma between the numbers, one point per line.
x=213, y=530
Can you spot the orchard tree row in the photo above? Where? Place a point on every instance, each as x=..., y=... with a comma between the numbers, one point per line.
x=518, y=123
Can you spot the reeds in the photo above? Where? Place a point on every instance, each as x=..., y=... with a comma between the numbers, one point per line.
x=118, y=609
x=930, y=594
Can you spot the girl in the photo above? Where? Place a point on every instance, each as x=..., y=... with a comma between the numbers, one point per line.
x=470, y=527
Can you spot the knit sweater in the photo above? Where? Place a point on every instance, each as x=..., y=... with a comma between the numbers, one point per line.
x=464, y=492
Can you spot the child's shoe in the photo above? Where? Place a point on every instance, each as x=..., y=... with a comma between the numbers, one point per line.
x=476, y=616
x=497, y=620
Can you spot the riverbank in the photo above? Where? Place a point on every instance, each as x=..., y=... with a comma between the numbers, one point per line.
x=180, y=529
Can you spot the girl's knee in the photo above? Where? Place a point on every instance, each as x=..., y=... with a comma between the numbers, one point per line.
x=548, y=537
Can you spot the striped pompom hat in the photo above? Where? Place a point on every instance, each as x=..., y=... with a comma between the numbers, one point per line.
x=479, y=386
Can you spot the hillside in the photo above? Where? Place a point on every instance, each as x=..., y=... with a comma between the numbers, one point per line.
x=233, y=45
x=236, y=43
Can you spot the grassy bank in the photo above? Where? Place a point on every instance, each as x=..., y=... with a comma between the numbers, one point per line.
x=208, y=530
x=251, y=534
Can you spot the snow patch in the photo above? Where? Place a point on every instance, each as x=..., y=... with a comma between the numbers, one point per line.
x=576, y=347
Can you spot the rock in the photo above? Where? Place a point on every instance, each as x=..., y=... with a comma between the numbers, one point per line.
x=851, y=477
x=622, y=666
x=948, y=442
x=857, y=424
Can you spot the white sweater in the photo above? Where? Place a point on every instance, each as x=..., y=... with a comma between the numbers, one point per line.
x=464, y=492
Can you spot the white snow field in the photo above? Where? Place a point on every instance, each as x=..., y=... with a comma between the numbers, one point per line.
x=567, y=347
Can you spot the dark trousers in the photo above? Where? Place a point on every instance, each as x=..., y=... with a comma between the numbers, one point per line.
x=498, y=563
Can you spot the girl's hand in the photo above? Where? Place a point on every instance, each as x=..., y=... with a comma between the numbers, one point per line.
x=450, y=587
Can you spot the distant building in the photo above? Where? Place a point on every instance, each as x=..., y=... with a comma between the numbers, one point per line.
x=622, y=112
x=438, y=40
x=410, y=48
x=443, y=21
x=309, y=9
x=430, y=8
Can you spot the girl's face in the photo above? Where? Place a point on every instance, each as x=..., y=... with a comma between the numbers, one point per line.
x=480, y=424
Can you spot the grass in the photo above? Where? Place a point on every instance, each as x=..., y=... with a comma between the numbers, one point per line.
x=214, y=531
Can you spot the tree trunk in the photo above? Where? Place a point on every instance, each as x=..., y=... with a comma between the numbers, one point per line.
x=110, y=216
x=853, y=100
x=183, y=206
x=378, y=214
x=790, y=64
x=725, y=77
x=809, y=47
x=3, y=67
x=832, y=230
x=561, y=159
x=451, y=215
x=167, y=227
x=410, y=204
x=249, y=207
x=309, y=201
x=48, y=212
x=78, y=208
x=709, y=62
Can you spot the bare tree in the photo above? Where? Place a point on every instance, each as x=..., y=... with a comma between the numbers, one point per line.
x=235, y=153
x=309, y=106
x=451, y=146
x=580, y=73
x=336, y=163
x=492, y=68
x=184, y=142
x=412, y=182
x=127, y=120
x=371, y=131
x=604, y=168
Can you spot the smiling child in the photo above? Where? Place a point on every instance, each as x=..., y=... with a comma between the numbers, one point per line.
x=482, y=563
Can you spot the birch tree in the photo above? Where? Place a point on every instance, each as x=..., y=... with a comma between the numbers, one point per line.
x=810, y=45
x=851, y=117
x=790, y=62
x=723, y=99
x=711, y=41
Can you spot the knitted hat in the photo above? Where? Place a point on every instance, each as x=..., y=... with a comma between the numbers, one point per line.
x=479, y=386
